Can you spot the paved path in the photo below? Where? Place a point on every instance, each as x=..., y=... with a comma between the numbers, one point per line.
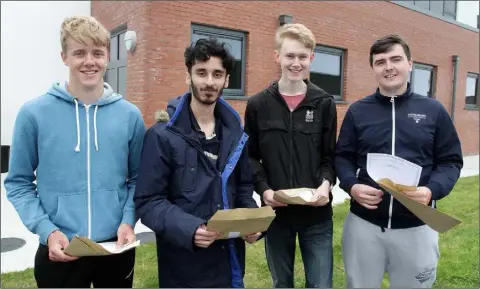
x=22, y=258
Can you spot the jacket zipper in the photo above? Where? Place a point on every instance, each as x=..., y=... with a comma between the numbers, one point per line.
x=300, y=105
x=291, y=149
x=88, y=173
x=390, y=209
x=218, y=172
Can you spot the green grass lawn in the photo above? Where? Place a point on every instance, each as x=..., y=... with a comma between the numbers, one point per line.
x=458, y=266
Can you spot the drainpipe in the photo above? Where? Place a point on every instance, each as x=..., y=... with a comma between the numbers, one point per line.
x=455, y=60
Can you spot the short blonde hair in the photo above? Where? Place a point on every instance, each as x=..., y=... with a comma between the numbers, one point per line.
x=81, y=28
x=297, y=32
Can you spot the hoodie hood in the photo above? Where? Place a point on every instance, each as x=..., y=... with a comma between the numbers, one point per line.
x=108, y=97
x=84, y=159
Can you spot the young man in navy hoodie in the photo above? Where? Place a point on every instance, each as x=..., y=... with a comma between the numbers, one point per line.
x=381, y=235
x=81, y=142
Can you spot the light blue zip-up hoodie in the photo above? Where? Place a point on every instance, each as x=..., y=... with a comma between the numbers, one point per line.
x=84, y=159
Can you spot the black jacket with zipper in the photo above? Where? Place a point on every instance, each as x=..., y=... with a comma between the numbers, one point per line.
x=292, y=149
x=409, y=126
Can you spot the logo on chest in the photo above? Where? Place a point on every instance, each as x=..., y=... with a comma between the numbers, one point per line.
x=309, y=116
x=417, y=117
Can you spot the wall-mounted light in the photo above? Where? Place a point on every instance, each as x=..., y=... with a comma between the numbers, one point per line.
x=130, y=40
x=285, y=19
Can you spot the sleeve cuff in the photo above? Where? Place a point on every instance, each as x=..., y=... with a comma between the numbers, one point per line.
x=129, y=218
x=435, y=189
x=192, y=228
x=44, y=229
x=348, y=184
x=328, y=176
x=261, y=187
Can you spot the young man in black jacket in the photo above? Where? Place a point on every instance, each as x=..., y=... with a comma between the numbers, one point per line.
x=292, y=129
x=381, y=235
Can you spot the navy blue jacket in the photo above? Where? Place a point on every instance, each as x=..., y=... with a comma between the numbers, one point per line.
x=178, y=189
x=410, y=126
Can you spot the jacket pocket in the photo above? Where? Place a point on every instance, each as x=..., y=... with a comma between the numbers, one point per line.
x=72, y=214
x=266, y=125
x=309, y=128
x=106, y=214
x=189, y=174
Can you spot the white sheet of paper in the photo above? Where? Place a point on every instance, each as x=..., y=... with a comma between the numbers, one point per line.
x=111, y=246
x=233, y=235
x=398, y=170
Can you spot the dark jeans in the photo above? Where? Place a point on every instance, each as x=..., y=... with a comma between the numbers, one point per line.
x=112, y=271
x=315, y=245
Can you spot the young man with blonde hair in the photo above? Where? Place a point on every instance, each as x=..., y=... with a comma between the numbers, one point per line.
x=292, y=129
x=81, y=143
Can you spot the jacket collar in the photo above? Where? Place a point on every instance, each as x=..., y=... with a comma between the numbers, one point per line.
x=231, y=127
x=312, y=96
x=181, y=116
x=407, y=94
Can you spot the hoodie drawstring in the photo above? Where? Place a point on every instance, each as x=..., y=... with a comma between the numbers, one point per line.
x=77, y=148
x=95, y=126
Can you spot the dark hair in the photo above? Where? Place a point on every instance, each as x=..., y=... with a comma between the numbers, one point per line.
x=386, y=43
x=203, y=49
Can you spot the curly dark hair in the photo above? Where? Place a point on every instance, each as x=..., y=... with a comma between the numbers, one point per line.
x=203, y=49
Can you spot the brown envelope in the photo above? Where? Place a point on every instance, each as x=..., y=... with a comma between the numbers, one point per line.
x=290, y=196
x=82, y=247
x=434, y=218
x=241, y=222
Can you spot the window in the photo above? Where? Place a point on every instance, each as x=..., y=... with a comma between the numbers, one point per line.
x=423, y=4
x=116, y=74
x=442, y=8
x=437, y=7
x=421, y=79
x=235, y=43
x=450, y=9
x=326, y=70
x=471, y=93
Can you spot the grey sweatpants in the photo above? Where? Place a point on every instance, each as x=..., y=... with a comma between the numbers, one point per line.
x=410, y=256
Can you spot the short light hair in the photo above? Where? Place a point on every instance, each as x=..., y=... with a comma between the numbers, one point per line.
x=297, y=32
x=81, y=28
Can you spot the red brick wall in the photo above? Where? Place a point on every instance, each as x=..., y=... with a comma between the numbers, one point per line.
x=156, y=71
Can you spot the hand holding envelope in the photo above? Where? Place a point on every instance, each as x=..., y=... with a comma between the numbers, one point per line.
x=321, y=196
x=422, y=195
x=204, y=238
x=302, y=196
x=82, y=247
x=241, y=222
x=400, y=178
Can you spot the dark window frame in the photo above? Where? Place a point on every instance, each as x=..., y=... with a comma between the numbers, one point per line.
x=477, y=104
x=411, y=6
x=428, y=67
x=449, y=14
x=117, y=63
x=444, y=14
x=337, y=51
x=216, y=31
x=116, y=32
